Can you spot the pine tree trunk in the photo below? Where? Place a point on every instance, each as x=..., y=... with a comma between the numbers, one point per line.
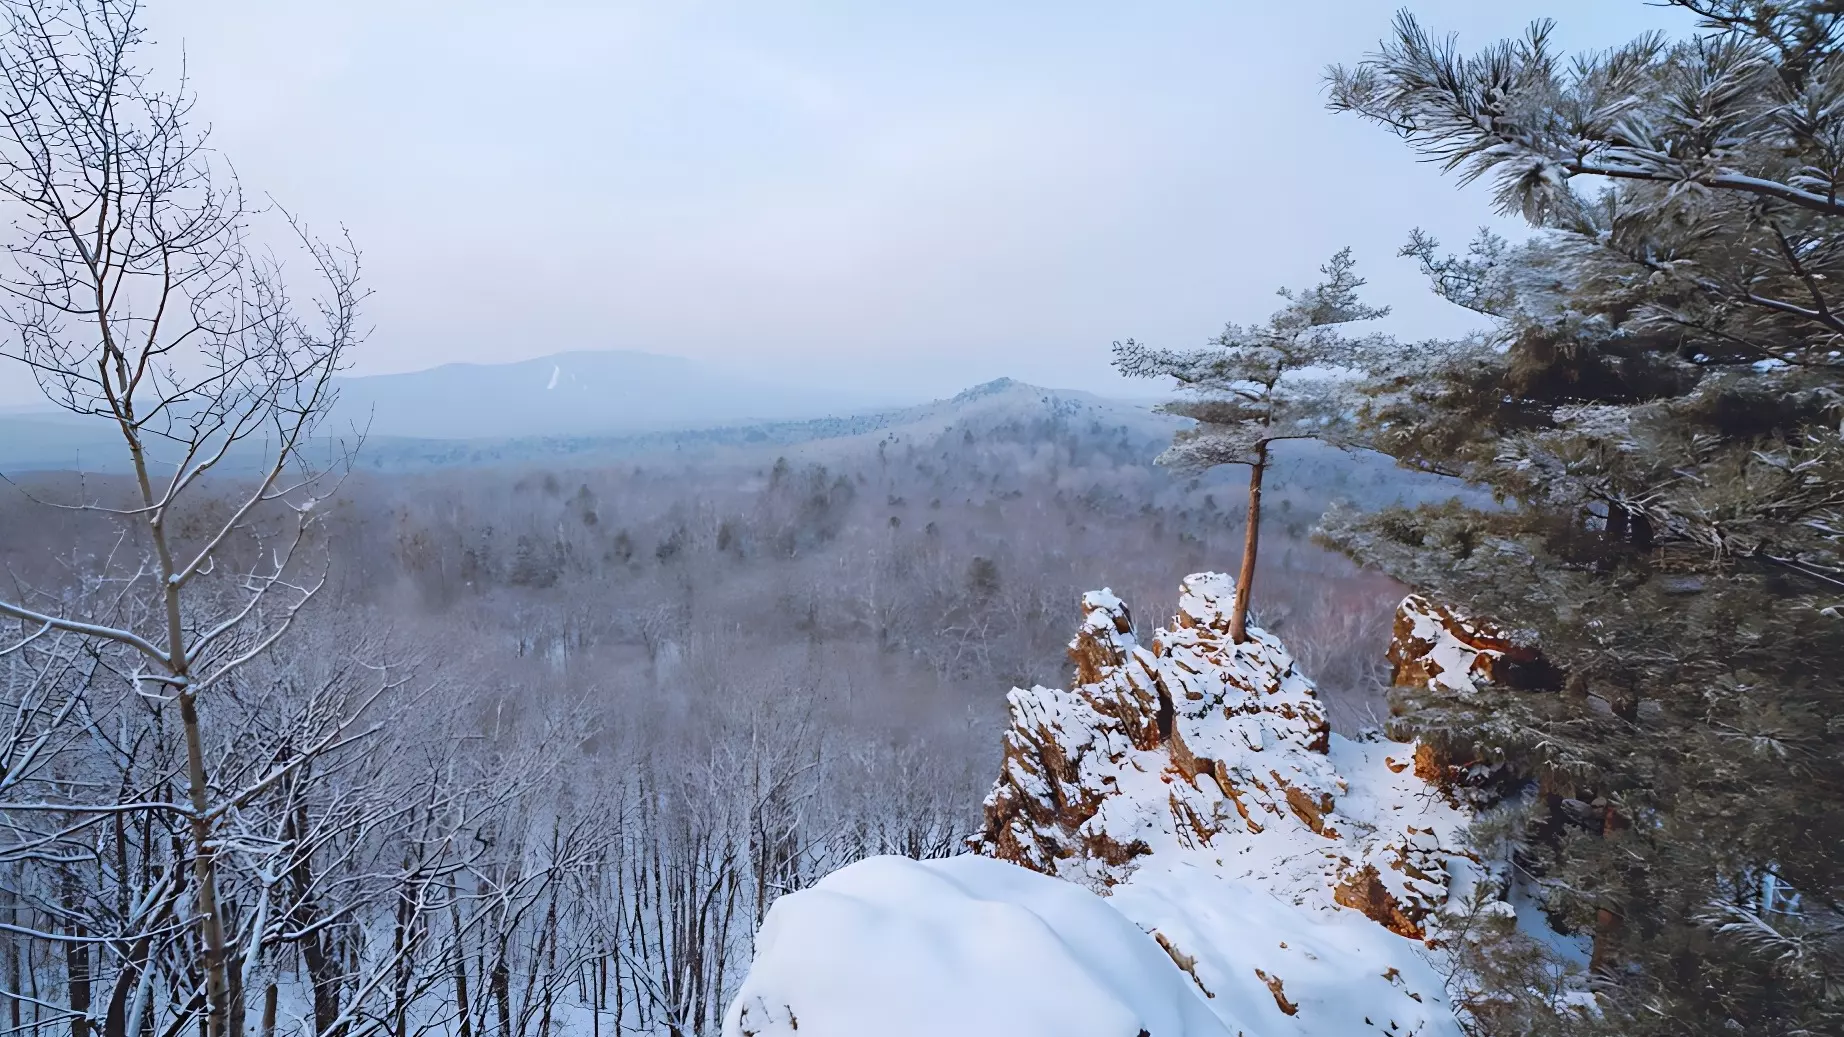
x=1607, y=921
x=1251, y=540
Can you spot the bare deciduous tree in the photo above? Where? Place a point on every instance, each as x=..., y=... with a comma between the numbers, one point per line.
x=136, y=298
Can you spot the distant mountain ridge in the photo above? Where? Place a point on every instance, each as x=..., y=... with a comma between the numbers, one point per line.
x=1003, y=409
x=997, y=401
x=578, y=393
x=585, y=408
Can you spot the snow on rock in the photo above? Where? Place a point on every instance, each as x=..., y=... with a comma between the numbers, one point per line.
x=1233, y=866
x=967, y=946
x=1436, y=647
x=1290, y=872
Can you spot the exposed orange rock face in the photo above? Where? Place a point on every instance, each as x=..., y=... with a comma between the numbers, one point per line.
x=1363, y=890
x=1037, y=811
x=1434, y=646
x=1395, y=904
x=1431, y=767
x=1192, y=743
x=1234, y=733
x=1279, y=990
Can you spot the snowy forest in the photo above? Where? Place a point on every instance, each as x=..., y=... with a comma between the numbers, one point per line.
x=1502, y=693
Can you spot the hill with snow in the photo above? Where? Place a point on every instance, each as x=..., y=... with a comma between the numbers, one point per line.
x=1178, y=831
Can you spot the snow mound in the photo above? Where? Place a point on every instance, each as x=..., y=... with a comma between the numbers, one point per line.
x=967, y=946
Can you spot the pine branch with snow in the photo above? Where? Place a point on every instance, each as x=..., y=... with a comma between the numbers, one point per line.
x=1251, y=387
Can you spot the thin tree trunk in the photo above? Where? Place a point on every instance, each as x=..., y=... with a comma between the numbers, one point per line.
x=318, y=950
x=463, y=1004
x=400, y=941
x=128, y=975
x=550, y=962
x=204, y=870
x=204, y=861
x=500, y=983
x=76, y=961
x=15, y=973
x=270, y=996
x=598, y=998
x=32, y=980
x=234, y=999
x=1251, y=541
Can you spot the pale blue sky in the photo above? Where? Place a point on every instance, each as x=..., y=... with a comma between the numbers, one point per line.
x=916, y=196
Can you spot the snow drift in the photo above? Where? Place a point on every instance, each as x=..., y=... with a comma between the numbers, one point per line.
x=1224, y=851
x=965, y=946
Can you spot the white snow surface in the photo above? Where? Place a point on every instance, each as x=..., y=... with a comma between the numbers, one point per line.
x=965, y=947
x=1185, y=799
x=1264, y=901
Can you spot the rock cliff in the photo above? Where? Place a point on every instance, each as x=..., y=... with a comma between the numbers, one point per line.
x=1191, y=743
x=1247, y=859
x=1184, y=774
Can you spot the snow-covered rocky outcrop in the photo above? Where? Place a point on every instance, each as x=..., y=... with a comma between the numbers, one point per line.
x=1189, y=786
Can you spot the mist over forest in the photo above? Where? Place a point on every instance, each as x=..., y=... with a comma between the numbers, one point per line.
x=831, y=623
x=1327, y=674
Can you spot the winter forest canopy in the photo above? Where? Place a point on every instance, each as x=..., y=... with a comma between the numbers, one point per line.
x=1500, y=692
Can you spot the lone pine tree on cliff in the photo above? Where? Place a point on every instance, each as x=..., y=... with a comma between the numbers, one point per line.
x=1658, y=409
x=1255, y=386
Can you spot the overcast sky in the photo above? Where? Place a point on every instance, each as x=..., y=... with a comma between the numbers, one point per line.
x=913, y=196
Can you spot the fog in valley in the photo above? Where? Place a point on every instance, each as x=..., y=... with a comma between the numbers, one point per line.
x=697, y=669
x=792, y=521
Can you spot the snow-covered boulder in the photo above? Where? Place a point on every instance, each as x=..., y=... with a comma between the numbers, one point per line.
x=968, y=946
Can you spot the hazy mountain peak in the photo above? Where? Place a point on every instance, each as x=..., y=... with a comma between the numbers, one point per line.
x=577, y=393
x=992, y=388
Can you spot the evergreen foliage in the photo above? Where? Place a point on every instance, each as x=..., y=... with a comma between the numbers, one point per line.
x=1255, y=386
x=1252, y=386
x=1658, y=410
